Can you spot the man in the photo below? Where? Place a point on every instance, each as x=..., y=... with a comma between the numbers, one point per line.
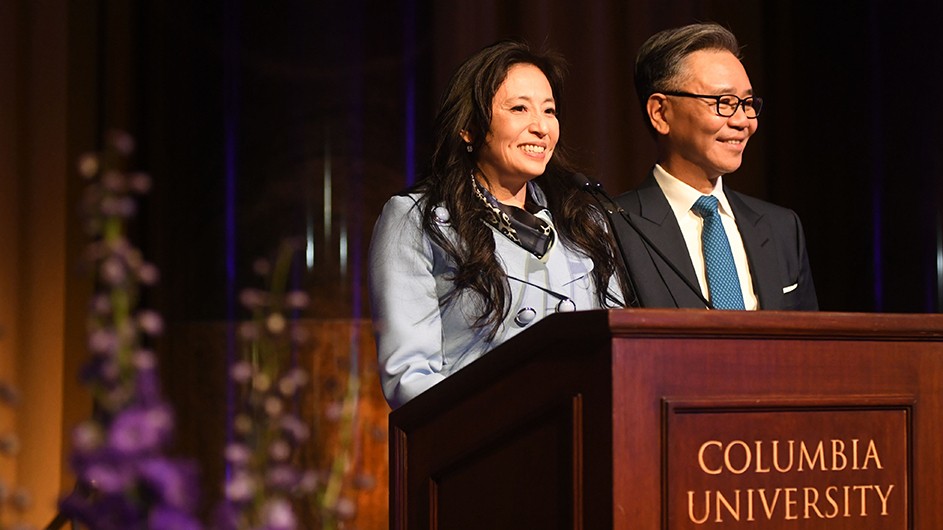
x=699, y=106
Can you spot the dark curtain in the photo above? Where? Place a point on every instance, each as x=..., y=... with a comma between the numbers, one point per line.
x=311, y=114
x=261, y=121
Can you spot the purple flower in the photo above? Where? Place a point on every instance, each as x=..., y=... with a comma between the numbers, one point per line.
x=112, y=271
x=252, y=298
x=137, y=430
x=121, y=141
x=139, y=182
x=86, y=437
x=150, y=322
x=279, y=450
x=309, y=481
x=113, y=181
x=100, y=304
x=148, y=387
x=296, y=430
x=123, y=207
x=282, y=477
x=102, y=341
x=226, y=517
x=345, y=508
x=248, y=331
x=148, y=274
x=106, y=477
x=167, y=518
x=241, y=371
x=173, y=482
x=144, y=359
x=278, y=515
x=297, y=300
x=240, y=487
x=237, y=453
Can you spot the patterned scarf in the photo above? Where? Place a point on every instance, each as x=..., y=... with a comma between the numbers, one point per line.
x=525, y=229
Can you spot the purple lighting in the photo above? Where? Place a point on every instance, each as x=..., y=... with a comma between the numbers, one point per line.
x=230, y=141
x=409, y=67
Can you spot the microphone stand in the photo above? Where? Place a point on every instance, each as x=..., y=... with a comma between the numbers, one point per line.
x=597, y=190
x=583, y=182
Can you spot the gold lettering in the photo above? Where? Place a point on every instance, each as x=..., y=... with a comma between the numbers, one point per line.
x=819, y=456
x=759, y=458
x=720, y=507
x=769, y=509
x=700, y=457
x=872, y=454
x=750, y=505
x=838, y=452
x=790, y=503
x=864, y=500
x=735, y=512
x=746, y=457
x=854, y=454
x=831, y=500
x=776, y=465
x=811, y=503
x=884, y=497
x=707, y=507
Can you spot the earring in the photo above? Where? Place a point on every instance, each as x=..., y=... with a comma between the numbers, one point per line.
x=469, y=148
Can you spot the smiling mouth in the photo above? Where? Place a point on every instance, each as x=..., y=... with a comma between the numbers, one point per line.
x=533, y=149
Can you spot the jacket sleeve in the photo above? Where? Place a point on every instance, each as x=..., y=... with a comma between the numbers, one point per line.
x=806, y=298
x=405, y=303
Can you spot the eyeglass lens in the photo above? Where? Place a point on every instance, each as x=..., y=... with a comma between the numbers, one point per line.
x=727, y=105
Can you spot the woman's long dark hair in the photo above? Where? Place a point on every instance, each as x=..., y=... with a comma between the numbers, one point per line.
x=466, y=106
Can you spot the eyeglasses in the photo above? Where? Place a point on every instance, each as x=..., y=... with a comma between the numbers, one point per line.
x=727, y=104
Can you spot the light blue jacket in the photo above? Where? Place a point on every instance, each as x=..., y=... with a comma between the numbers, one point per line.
x=420, y=342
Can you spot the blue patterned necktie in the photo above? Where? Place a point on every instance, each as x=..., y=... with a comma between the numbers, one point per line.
x=722, y=280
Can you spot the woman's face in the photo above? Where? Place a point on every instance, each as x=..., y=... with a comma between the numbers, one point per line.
x=524, y=129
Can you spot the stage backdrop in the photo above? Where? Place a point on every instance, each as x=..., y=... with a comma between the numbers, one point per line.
x=261, y=121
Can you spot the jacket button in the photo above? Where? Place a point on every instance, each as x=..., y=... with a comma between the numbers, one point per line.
x=441, y=214
x=525, y=316
x=566, y=306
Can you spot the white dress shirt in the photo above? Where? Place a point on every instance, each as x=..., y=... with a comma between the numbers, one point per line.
x=681, y=198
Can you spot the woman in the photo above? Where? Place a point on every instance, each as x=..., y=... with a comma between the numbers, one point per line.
x=495, y=236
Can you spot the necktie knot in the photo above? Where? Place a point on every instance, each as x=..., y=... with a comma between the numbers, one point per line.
x=705, y=206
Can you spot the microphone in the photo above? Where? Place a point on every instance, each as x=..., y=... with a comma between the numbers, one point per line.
x=610, y=206
x=583, y=182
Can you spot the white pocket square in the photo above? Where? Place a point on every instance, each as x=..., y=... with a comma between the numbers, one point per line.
x=790, y=288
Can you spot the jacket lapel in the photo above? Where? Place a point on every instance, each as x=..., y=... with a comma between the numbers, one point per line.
x=658, y=222
x=761, y=253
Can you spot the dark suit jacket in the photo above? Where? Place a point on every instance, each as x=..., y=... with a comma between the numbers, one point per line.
x=772, y=236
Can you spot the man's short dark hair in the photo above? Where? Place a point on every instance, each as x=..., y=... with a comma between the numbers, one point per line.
x=659, y=60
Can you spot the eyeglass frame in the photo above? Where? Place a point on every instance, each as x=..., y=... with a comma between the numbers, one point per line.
x=756, y=102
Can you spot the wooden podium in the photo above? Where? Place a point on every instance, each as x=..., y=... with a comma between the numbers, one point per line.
x=682, y=419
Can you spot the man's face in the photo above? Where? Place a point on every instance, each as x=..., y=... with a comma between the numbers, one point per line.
x=699, y=143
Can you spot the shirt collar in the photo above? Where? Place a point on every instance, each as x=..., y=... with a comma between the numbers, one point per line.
x=682, y=197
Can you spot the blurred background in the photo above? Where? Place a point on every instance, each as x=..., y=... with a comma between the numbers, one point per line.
x=260, y=121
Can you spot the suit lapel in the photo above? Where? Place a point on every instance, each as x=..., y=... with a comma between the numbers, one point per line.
x=658, y=222
x=761, y=253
